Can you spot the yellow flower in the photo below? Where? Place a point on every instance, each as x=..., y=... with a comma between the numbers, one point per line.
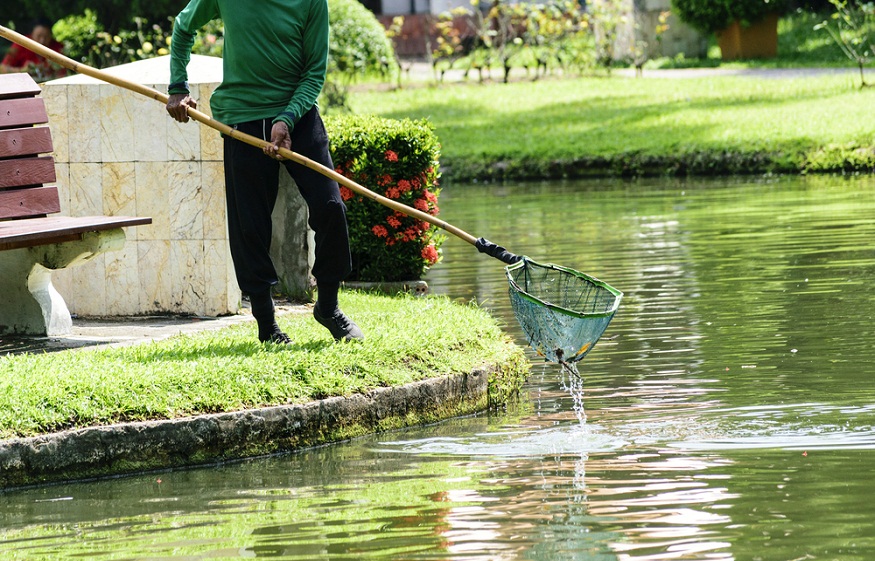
x=147, y=47
x=117, y=40
x=162, y=51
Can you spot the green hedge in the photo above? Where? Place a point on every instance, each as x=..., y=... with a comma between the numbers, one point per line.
x=399, y=160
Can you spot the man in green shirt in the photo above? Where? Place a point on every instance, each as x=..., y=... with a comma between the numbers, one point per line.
x=274, y=63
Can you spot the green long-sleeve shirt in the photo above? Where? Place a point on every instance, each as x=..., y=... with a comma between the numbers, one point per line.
x=274, y=60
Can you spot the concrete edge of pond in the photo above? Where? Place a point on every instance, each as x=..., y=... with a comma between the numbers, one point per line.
x=129, y=448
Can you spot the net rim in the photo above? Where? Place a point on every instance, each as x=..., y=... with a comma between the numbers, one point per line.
x=618, y=295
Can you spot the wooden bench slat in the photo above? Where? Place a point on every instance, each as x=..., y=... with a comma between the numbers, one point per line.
x=27, y=111
x=19, y=172
x=16, y=234
x=25, y=142
x=18, y=85
x=25, y=203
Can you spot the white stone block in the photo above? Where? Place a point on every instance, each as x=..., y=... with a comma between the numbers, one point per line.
x=187, y=275
x=86, y=189
x=116, y=124
x=214, y=204
x=187, y=217
x=88, y=288
x=119, y=189
x=183, y=141
x=56, y=108
x=83, y=122
x=150, y=121
x=62, y=172
x=155, y=289
x=121, y=274
x=153, y=199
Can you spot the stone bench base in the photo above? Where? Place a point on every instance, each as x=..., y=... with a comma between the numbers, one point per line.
x=30, y=304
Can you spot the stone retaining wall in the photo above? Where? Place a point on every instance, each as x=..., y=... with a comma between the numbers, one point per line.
x=207, y=439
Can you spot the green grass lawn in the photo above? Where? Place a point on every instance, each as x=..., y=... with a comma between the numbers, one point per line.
x=408, y=339
x=612, y=125
x=608, y=124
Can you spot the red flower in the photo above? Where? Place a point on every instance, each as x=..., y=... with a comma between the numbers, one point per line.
x=391, y=156
x=421, y=204
x=430, y=254
x=345, y=193
x=431, y=196
x=393, y=222
x=393, y=192
x=404, y=185
x=380, y=231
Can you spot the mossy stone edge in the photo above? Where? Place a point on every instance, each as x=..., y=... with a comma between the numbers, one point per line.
x=103, y=451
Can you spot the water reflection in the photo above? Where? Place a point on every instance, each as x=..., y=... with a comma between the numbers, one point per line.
x=728, y=414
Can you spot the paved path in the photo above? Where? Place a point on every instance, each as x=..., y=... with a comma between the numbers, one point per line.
x=117, y=331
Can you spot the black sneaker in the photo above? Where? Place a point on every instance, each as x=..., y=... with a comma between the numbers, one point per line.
x=276, y=336
x=340, y=326
x=279, y=338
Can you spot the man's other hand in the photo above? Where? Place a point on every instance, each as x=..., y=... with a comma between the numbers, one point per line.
x=279, y=138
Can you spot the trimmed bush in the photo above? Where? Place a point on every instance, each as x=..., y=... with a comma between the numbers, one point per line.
x=399, y=160
x=358, y=44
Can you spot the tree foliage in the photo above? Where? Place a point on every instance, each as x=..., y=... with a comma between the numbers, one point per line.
x=709, y=16
x=113, y=15
x=852, y=27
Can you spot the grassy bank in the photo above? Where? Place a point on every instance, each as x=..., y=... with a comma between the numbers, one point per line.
x=228, y=370
x=652, y=126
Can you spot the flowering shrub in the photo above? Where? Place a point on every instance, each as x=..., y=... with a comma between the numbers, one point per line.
x=399, y=160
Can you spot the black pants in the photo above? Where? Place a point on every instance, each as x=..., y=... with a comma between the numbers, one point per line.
x=251, y=187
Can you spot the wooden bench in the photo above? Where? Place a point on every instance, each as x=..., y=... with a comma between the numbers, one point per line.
x=32, y=243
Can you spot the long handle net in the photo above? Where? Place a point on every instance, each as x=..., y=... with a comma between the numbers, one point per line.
x=562, y=312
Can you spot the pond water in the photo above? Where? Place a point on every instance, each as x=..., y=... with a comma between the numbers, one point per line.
x=729, y=412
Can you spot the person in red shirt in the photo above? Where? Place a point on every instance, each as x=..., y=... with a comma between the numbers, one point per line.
x=19, y=59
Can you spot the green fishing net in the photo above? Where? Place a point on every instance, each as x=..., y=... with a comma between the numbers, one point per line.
x=562, y=312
